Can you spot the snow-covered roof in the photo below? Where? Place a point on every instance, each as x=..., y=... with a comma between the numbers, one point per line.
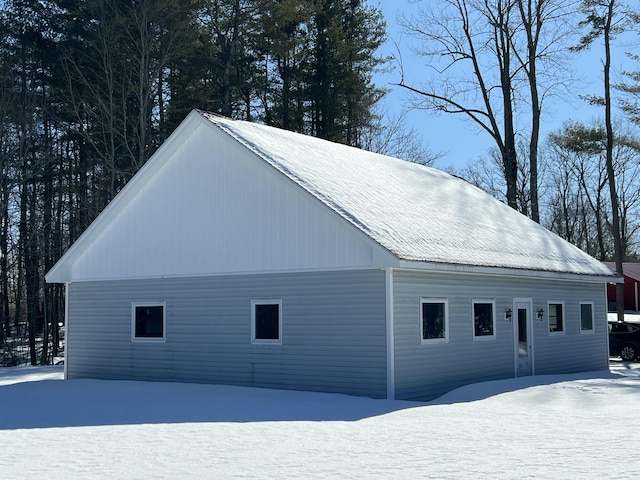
x=629, y=269
x=418, y=213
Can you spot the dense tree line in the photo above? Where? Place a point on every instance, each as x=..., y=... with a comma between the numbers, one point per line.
x=90, y=88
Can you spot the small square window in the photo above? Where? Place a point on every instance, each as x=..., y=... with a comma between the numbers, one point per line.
x=586, y=316
x=433, y=319
x=148, y=322
x=484, y=322
x=266, y=321
x=556, y=317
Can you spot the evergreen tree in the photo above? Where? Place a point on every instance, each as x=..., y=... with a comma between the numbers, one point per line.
x=285, y=56
x=346, y=35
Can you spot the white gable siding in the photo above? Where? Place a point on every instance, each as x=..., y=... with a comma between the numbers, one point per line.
x=219, y=209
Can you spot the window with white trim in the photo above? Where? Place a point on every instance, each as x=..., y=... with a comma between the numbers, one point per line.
x=148, y=321
x=434, y=320
x=556, y=317
x=586, y=316
x=266, y=321
x=484, y=319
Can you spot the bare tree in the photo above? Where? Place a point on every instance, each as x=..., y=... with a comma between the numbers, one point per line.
x=565, y=210
x=545, y=29
x=488, y=174
x=7, y=150
x=577, y=153
x=115, y=68
x=456, y=35
x=604, y=19
x=627, y=167
x=481, y=52
x=391, y=136
x=577, y=159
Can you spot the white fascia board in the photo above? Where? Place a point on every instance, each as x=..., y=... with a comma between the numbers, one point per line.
x=61, y=272
x=230, y=273
x=512, y=272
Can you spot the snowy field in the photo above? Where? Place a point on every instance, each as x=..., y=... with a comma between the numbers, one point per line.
x=582, y=426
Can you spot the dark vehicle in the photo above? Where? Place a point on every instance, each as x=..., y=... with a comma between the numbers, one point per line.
x=624, y=340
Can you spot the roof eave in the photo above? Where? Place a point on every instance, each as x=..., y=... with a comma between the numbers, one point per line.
x=504, y=271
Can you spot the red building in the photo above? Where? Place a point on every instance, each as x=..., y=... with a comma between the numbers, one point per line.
x=631, y=272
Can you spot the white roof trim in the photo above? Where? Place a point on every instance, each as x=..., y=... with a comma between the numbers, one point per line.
x=511, y=272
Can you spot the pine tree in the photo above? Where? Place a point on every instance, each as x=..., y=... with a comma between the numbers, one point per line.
x=346, y=35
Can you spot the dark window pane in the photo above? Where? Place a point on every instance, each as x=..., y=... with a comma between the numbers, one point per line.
x=433, y=320
x=586, y=316
x=483, y=319
x=522, y=325
x=555, y=317
x=149, y=321
x=523, y=347
x=267, y=319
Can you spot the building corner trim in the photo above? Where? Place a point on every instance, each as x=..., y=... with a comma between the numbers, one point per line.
x=66, y=330
x=391, y=387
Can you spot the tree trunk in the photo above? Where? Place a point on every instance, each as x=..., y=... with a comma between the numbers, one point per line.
x=509, y=155
x=534, y=139
x=5, y=313
x=31, y=275
x=615, y=209
x=532, y=21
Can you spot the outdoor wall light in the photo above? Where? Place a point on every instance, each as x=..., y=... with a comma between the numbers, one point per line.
x=540, y=314
x=508, y=314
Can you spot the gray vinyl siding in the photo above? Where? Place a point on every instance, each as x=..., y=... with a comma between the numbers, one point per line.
x=574, y=351
x=333, y=331
x=430, y=370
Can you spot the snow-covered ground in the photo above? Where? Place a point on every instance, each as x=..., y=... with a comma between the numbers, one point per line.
x=582, y=426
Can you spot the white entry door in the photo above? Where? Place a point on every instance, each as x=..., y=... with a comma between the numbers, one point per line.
x=523, y=339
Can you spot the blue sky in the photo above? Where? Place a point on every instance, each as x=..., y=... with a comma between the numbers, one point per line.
x=461, y=141
x=458, y=139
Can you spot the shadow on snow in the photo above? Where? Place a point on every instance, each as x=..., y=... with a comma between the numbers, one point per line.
x=45, y=403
